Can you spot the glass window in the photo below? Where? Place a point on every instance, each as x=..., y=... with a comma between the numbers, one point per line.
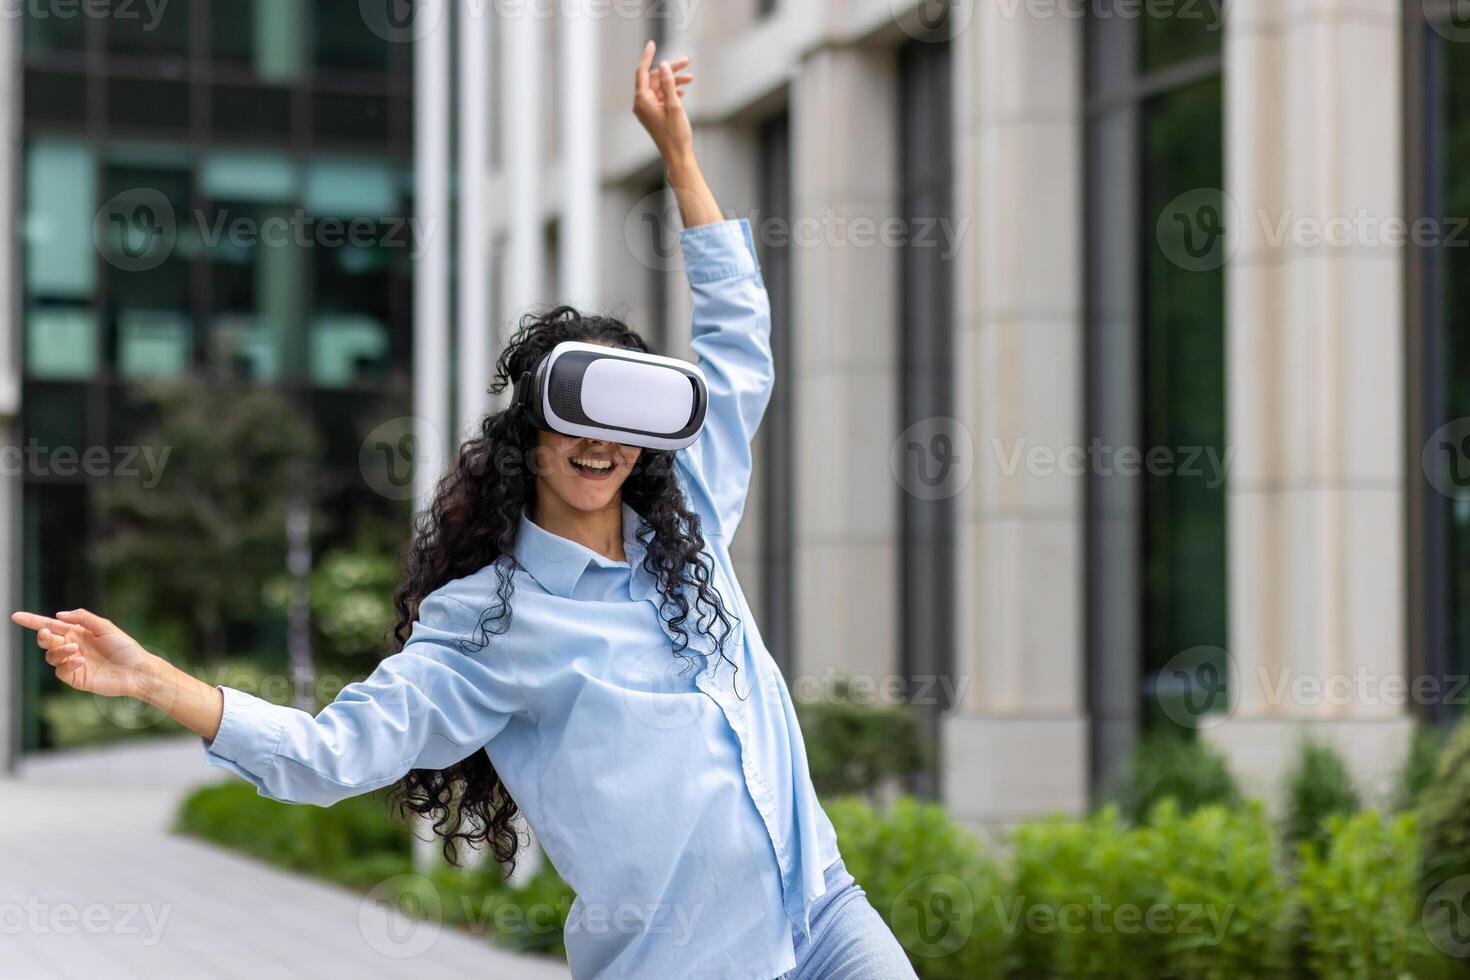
x=154, y=105
x=778, y=599
x=51, y=28
x=149, y=230
x=153, y=344
x=266, y=35
x=1156, y=542
x=1442, y=192
x=252, y=112
x=1183, y=388
x=1179, y=33
x=257, y=279
x=55, y=96
x=241, y=175
x=61, y=342
x=353, y=119
x=346, y=43
x=347, y=188
x=926, y=389
x=158, y=29
x=1456, y=169
x=61, y=204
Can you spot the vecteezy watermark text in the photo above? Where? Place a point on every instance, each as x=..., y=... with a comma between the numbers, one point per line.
x=1206, y=463
x=34, y=459
x=37, y=918
x=139, y=229
x=149, y=11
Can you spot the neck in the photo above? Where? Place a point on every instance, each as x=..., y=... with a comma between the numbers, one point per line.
x=599, y=530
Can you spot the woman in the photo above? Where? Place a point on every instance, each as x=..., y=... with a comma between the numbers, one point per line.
x=574, y=645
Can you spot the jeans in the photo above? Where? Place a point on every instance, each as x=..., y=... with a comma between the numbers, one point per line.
x=849, y=941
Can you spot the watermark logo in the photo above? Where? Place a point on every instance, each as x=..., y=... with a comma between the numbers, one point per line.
x=1446, y=459
x=1193, y=688
x=401, y=917
x=1446, y=917
x=651, y=232
x=135, y=230
x=1194, y=229
x=394, y=453
x=933, y=21
x=401, y=21
x=934, y=915
x=934, y=458
x=660, y=690
x=1450, y=19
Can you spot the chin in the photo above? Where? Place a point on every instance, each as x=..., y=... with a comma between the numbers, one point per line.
x=591, y=503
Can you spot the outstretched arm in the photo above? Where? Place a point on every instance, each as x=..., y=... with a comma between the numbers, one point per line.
x=427, y=706
x=659, y=105
x=732, y=314
x=91, y=654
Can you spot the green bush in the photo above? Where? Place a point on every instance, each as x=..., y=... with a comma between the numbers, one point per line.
x=1170, y=766
x=351, y=603
x=1444, y=813
x=1193, y=896
x=1360, y=902
x=930, y=880
x=330, y=842
x=854, y=746
x=1069, y=876
x=1419, y=769
x=1318, y=788
x=1221, y=872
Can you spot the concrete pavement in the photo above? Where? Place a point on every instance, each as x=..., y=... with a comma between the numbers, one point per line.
x=93, y=884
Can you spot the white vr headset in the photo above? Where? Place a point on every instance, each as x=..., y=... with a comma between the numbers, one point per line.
x=594, y=392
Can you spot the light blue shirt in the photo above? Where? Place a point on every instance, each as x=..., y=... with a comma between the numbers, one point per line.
x=673, y=797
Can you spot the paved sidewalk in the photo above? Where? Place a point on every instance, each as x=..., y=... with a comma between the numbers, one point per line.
x=93, y=884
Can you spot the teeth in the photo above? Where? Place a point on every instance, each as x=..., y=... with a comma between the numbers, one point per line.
x=593, y=464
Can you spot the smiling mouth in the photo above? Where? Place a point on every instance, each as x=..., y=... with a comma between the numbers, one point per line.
x=594, y=469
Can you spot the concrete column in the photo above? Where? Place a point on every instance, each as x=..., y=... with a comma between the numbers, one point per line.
x=1316, y=492
x=846, y=323
x=525, y=267
x=475, y=351
x=580, y=154
x=1017, y=744
x=11, y=487
x=431, y=295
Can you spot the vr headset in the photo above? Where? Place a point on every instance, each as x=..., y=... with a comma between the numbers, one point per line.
x=594, y=392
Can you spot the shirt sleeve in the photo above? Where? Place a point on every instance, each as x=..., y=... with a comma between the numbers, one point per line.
x=426, y=707
x=732, y=343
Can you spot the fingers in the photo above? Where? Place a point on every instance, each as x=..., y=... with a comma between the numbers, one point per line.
x=667, y=86
x=87, y=620
x=64, y=654
x=640, y=79
x=34, y=621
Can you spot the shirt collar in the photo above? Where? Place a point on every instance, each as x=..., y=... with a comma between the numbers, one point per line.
x=557, y=563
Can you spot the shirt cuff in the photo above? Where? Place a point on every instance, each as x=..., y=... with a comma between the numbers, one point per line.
x=723, y=250
x=249, y=733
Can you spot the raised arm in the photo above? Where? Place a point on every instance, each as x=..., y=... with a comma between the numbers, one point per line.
x=732, y=314
x=425, y=707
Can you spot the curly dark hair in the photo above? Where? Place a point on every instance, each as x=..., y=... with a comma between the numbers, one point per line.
x=474, y=522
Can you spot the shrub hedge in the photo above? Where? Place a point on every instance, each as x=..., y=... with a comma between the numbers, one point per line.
x=1179, y=896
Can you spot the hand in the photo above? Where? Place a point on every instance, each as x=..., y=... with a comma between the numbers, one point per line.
x=658, y=103
x=90, y=653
